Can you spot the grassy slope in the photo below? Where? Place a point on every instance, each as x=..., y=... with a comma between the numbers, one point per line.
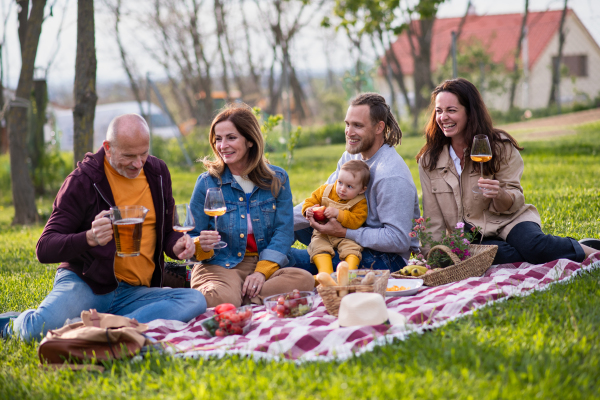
x=542, y=346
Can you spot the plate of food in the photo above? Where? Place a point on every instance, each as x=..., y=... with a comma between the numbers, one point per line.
x=403, y=287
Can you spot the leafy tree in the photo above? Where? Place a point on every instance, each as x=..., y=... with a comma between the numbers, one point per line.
x=475, y=63
x=387, y=17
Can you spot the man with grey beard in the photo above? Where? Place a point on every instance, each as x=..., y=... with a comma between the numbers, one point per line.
x=80, y=237
x=371, y=136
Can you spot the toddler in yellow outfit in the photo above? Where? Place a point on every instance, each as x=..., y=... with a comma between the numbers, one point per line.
x=345, y=201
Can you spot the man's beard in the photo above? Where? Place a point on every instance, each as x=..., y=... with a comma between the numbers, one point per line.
x=364, y=144
x=121, y=171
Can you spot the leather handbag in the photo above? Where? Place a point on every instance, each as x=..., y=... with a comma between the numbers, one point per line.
x=97, y=336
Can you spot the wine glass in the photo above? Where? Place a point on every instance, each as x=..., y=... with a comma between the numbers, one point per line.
x=214, y=206
x=481, y=152
x=183, y=221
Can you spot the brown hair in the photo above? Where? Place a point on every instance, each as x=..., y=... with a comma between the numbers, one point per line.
x=257, y=169
x=358, y=167
x=478, y=122
x=380, y=111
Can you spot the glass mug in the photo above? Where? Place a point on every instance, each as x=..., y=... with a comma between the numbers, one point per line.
x=127, y=228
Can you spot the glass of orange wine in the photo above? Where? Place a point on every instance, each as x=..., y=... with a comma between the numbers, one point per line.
x=214, y=206
x=481, y=152
x=183, y=221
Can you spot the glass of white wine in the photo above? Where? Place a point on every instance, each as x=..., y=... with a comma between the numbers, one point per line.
x=214, y=206
x=183, y=221
x=481, y=152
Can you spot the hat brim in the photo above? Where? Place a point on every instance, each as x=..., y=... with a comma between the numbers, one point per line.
x=396, y=319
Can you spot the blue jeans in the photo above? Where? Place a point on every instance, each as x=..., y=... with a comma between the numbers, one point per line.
x=371, y=259
x=70, y=296
x=527, y=243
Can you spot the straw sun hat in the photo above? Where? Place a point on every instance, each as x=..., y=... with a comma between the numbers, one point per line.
x=366, y=309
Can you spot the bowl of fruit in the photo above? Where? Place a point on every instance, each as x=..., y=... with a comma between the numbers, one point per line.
x=290, y=305
x=228, y=320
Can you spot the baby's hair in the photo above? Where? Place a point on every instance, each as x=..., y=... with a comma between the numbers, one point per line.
x=358, y=167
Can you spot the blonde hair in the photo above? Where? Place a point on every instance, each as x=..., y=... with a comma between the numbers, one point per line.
x=257, y=168
x=360, y=168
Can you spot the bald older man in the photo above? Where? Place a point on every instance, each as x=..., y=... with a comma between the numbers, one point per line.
x=79, y=236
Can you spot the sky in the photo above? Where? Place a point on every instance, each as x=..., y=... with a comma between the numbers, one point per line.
x=308, y=50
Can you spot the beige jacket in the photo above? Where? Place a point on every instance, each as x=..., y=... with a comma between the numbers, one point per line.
x=448, y=199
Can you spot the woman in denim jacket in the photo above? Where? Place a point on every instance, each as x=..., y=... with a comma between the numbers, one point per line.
x=258, y=225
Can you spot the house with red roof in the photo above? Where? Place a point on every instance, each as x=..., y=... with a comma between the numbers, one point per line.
x=498, y=35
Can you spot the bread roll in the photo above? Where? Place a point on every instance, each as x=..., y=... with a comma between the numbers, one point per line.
x=325, y=279
x=342, y=275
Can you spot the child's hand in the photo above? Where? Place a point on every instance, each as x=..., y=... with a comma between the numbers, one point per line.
x=308, y=213
x=331, y=212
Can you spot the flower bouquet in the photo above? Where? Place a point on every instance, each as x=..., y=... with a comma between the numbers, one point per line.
x=452, y=259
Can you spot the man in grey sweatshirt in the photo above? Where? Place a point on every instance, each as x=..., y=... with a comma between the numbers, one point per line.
x=371, y=135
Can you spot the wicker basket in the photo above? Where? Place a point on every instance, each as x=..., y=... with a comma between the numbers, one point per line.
x=476, y=265
x=332, y=299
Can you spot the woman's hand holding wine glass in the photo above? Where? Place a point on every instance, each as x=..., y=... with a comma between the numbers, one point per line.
x=214, y=206
x=183, y=221
x=481, y=152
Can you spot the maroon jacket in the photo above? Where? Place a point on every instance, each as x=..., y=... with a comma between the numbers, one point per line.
x=83, y=195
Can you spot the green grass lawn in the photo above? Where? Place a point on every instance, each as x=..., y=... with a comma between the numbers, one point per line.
x=543, y=346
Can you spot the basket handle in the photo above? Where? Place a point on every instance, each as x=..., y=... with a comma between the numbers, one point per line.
x=448, y=252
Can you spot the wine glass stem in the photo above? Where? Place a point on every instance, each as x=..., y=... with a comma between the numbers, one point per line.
x=481, y=168
x=216, y=230
x=186, y=235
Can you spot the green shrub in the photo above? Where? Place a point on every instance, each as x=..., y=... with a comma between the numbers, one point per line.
x=323, y=135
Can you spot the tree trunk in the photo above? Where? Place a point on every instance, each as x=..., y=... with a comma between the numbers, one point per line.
x=22, y=17
x=135, y=88
x=555, y=90
x=387, y=71
x=461, y=24
x=256, y=78
x=22, y=186
x=3, y=134
x=515, y=74
x=397, y=73
x=84, y=89
x=220, y=19
x=422, y=72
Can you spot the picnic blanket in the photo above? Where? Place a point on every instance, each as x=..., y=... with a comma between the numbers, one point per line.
x=312, y=337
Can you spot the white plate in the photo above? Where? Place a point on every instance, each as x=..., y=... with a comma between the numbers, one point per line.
x=413, y=284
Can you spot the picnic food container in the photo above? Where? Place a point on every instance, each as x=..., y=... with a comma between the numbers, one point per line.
x=476, y=265
x=234, y=322
x=331, y=294
x=290, y=305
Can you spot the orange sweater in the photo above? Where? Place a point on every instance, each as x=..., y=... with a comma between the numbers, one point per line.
x=350, y=219
x=136, y=271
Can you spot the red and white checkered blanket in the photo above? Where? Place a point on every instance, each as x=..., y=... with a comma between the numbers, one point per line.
x=312, y=338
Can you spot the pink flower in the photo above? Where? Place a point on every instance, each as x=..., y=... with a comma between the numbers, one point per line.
x=412, y=234
x=420, y=220
x=460, y=225
x=467, y=254
x=462, y=235
x=466, y=241
x=416, y=228
x=473, y=229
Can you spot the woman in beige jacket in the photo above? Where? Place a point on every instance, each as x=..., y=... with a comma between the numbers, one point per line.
x=447, y=176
